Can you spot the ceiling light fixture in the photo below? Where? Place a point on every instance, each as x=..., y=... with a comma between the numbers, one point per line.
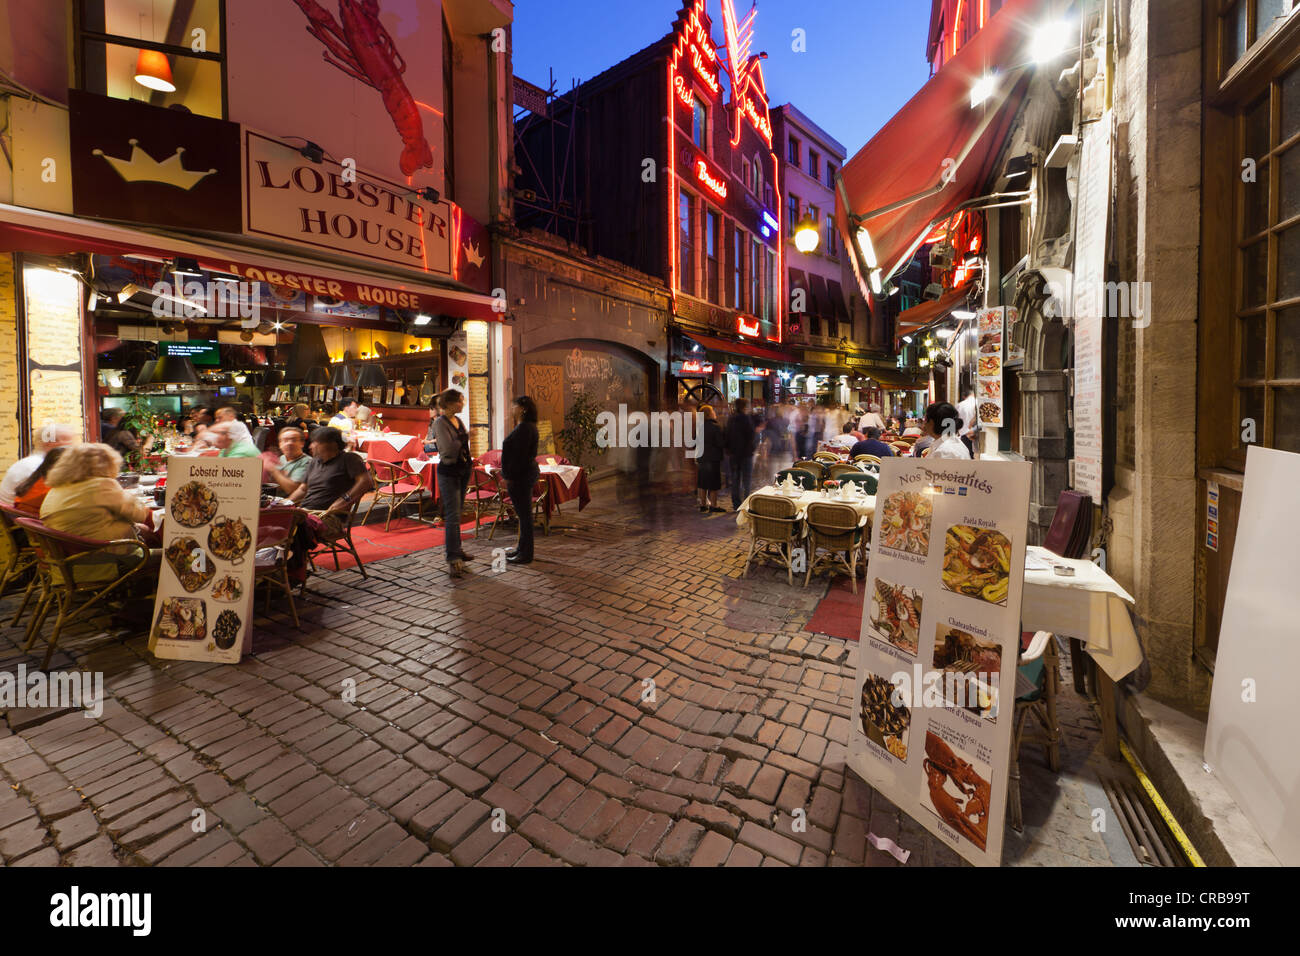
x=154, y=71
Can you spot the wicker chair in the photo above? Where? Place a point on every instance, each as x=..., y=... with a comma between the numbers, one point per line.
x=829, y=457
x=506, y=508
x=868, y=482
x=340, y=545
x=774, y=531
x=842, y=468
x=1040, y=665
x=277, y=528
x=836, y=530
x=18, y=558
x=867, y=459
x=397, y=483
x=812, y=467
x=806, y=478
x=76, y=573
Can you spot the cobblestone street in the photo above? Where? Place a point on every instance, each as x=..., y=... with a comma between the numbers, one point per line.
x=500, y=720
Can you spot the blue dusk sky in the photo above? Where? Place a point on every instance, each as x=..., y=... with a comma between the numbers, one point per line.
x=864, y=59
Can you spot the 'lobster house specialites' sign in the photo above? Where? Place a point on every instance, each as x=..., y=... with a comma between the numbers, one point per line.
x=931, y=726
x=204, y=607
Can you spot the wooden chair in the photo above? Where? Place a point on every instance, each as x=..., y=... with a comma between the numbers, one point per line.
x=340, y=545
x=76, y=573
x=276, y=529
x=829, y=457
x=866, y=480
x=1039, y=664
x=18, y=557
x=805, y=478
x=397, y=483
x=867, y=459
x=813, y=467
x=835, y=530
x=842, y=468
x=774, y=531
x=506, y=507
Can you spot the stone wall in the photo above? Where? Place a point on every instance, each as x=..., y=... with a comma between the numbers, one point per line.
x=1153, y=508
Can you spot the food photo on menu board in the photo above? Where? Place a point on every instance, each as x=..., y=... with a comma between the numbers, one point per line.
x=205, y=586
x=940, y=636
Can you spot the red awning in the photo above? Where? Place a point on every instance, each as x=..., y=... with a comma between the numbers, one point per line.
x=837, y=300
x=744, y=349
x=922, y=315
x=820, y=296
x=907, y=158
x=36, y=231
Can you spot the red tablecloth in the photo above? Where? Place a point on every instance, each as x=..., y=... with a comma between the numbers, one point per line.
x=559, y=492
x=382, y=450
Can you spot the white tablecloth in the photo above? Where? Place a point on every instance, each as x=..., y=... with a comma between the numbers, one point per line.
x=397, y=441
x=1089, y=606
x=865, y=505
x=568, y=473
x=419, y=464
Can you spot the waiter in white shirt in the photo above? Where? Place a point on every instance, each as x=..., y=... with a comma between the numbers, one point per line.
x=942, y=424
x=969, y=415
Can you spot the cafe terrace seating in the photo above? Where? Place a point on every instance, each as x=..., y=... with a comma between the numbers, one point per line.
x=396, y=483
x=18, y=557
x=835, y=539
x=76, y=574
x=774, y=532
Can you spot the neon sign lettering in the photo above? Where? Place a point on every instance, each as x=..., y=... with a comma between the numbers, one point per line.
x=694, y=366
x=716, y=185
x=747, y=87
x=710, y=80
x=747, y=328
x=684, y=92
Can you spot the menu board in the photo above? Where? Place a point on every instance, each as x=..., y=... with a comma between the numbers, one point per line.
x=988, y=371
x=1089, y=278
x=53, y=310
x=458, y=369
x=940, y=635
x=480, y=406
x=1015, y=355
x=204, y=608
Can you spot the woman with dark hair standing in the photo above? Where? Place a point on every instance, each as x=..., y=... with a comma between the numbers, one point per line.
x=454, y=468
x=519, y=467
x=710, y=462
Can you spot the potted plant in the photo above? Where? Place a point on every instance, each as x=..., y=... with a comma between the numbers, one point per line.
x=578, y=436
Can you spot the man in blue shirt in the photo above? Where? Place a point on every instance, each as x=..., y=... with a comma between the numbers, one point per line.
x=872, y=445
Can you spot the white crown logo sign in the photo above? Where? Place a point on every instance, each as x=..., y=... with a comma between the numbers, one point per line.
x=472, y=255
x=143, y=168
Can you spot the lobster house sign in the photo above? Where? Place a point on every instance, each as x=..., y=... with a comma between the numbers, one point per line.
x=931, y=724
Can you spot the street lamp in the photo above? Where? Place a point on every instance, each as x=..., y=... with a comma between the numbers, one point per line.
x=806, y=236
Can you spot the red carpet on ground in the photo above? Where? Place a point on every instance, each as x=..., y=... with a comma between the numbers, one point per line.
x=406, y=535
x=840, y=613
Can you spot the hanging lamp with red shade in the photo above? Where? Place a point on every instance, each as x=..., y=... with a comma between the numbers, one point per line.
x=154, y=71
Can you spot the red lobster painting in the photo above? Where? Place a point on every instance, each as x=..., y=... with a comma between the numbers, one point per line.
x=362, y=49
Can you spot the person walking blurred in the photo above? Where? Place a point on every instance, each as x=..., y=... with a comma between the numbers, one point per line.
x=739, y=445
x=710, y=462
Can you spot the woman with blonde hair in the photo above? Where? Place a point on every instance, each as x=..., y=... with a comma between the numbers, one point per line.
x=85, y=498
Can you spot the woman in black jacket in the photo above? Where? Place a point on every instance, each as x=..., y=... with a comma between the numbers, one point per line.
x=710, y=463
x=519, y=468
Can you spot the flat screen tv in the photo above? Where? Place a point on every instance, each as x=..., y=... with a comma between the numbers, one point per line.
x=198, y=351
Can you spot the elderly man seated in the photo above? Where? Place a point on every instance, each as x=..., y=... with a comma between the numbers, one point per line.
x=335, y=480
x=47, y=438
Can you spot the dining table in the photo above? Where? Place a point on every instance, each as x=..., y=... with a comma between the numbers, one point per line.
x=863, y=504
x=563, y=483
x=387, y=446
x=1089, y=607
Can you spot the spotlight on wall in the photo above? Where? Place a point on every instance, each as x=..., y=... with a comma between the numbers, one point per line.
x=312, y=152
x=428, y=194
x=185, y=267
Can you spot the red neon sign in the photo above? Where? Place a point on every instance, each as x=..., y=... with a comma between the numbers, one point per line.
x=693, y=366
x=748, y=90
x=751, y=329
x=684, y=92
x=715, y=185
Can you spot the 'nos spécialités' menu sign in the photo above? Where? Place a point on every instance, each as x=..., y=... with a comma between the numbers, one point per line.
x=204, y=607
x=940, y=637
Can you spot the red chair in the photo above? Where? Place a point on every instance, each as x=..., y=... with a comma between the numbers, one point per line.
x=67, y=565
x=482, y=495
x=397, y=483
x=506, y=509
x=491, y=458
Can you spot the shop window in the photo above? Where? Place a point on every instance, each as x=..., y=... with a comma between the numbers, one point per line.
x=1266, y=363
x=686, y=243
x=712, y=239
x=166, y=55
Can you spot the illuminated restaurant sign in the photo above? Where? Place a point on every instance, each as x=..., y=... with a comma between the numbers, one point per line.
x=714, y=183
x=750, y=327
x=748, y=92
